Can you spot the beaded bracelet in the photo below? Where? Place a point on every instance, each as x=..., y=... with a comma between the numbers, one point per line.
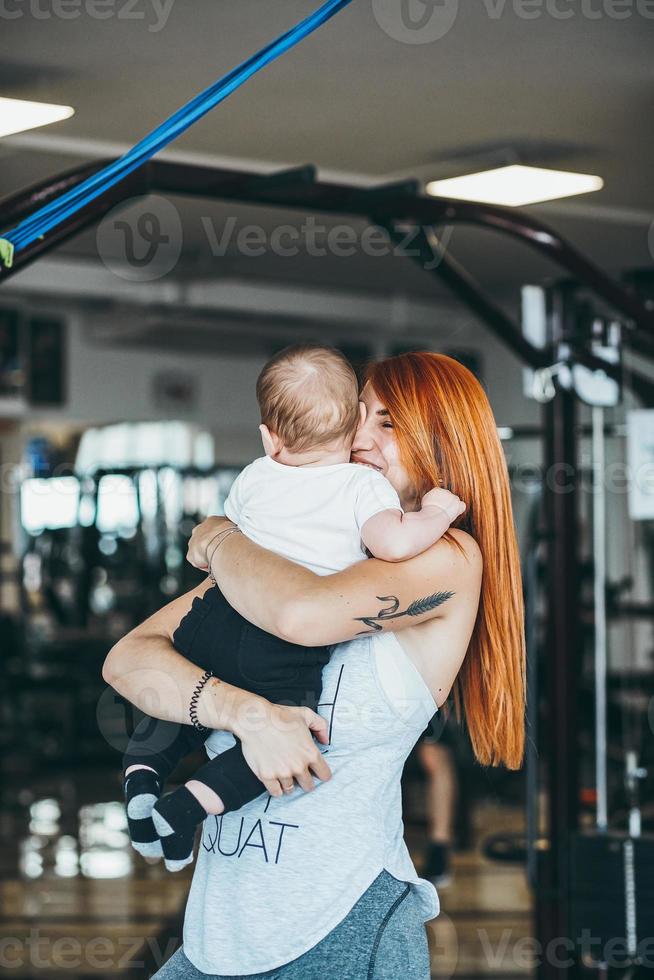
x=193, y=706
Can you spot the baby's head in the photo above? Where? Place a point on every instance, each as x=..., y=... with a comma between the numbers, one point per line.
x=309, y=401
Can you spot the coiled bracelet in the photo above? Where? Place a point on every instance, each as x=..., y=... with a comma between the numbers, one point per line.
x=193, y=706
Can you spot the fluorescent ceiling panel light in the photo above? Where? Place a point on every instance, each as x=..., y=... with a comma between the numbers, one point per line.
x=515, y=186
x=16, y=115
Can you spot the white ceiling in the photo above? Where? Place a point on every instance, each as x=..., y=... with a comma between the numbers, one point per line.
x=356, y=101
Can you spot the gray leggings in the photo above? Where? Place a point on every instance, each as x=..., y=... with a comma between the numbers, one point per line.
x=383, y=937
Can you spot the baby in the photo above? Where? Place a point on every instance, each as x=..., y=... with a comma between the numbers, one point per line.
x=307, y=502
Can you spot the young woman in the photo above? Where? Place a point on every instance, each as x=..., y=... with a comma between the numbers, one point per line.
x=303, y=884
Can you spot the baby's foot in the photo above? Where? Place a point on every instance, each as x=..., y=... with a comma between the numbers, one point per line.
x=142, y=790
x=176, y=817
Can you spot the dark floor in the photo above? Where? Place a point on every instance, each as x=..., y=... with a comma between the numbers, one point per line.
x=76, y=901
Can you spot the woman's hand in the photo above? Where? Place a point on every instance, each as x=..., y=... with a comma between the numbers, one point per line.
x=278, y=747
x=200, y=540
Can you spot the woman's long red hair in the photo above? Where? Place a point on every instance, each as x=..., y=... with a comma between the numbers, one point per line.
x=447, y=436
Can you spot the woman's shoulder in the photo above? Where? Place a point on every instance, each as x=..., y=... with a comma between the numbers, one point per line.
x=456, y=554
x=469, y=549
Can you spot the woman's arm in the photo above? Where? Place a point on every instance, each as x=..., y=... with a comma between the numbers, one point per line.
x=288, y=600
x=145, y=668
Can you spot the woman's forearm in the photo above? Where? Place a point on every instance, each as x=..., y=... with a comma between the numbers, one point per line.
x=286, y=599
x=155, y=678
x=263, y=587
x=145, y=668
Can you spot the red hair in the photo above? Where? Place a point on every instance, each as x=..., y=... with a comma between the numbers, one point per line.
x=447, y=436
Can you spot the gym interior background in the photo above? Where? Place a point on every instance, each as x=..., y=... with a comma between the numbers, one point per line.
x=128, y=357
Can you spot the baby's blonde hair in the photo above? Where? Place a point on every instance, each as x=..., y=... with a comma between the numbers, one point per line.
x=309, y=396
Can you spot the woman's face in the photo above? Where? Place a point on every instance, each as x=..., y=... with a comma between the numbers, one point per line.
x=375, y=445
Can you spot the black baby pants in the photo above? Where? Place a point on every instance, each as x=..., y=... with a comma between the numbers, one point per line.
x=215, y=637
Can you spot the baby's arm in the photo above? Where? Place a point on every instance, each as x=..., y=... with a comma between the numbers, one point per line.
x=393, y=536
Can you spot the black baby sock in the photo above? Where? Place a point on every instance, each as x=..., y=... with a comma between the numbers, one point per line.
x=142, y=789
x=176, y=817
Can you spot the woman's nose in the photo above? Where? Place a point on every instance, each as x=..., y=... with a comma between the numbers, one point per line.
x=363, y=440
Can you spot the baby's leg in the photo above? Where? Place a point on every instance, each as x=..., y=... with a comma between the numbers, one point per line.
x=249, y=658
x=226, y=779
x=283, y=673
x=142, y=789
x=155, y=749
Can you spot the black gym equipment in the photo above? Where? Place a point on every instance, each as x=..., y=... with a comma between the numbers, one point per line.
x=560, y=866
x=87, y=575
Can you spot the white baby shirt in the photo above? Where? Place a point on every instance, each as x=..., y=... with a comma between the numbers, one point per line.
x=310, y=514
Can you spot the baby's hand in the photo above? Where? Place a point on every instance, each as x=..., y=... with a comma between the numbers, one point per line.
x=449, y=502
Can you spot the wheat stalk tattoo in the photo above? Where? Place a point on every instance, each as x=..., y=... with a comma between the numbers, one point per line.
x=417, y=608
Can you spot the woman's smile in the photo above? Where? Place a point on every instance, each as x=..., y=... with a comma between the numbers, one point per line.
x=356, y=458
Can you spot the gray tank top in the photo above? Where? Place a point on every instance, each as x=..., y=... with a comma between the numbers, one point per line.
x=273, y=878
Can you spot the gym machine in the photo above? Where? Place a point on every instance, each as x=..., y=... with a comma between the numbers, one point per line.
x=115, y=551
x=594, y=886
x=100, y=550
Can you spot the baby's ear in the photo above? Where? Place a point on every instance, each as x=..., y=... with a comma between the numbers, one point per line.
x=266, y=440
x=271, y=441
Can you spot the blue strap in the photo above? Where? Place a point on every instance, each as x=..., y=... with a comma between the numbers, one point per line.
x=61, y=208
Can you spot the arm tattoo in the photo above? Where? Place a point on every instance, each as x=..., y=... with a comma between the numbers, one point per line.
x=417, y=608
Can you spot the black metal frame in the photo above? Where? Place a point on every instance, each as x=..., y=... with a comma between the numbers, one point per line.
x=390, y=206
x=558, y=747
x=394, y=207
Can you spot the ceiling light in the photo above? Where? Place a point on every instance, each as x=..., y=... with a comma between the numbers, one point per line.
x=515, y=185
x=16, y=115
